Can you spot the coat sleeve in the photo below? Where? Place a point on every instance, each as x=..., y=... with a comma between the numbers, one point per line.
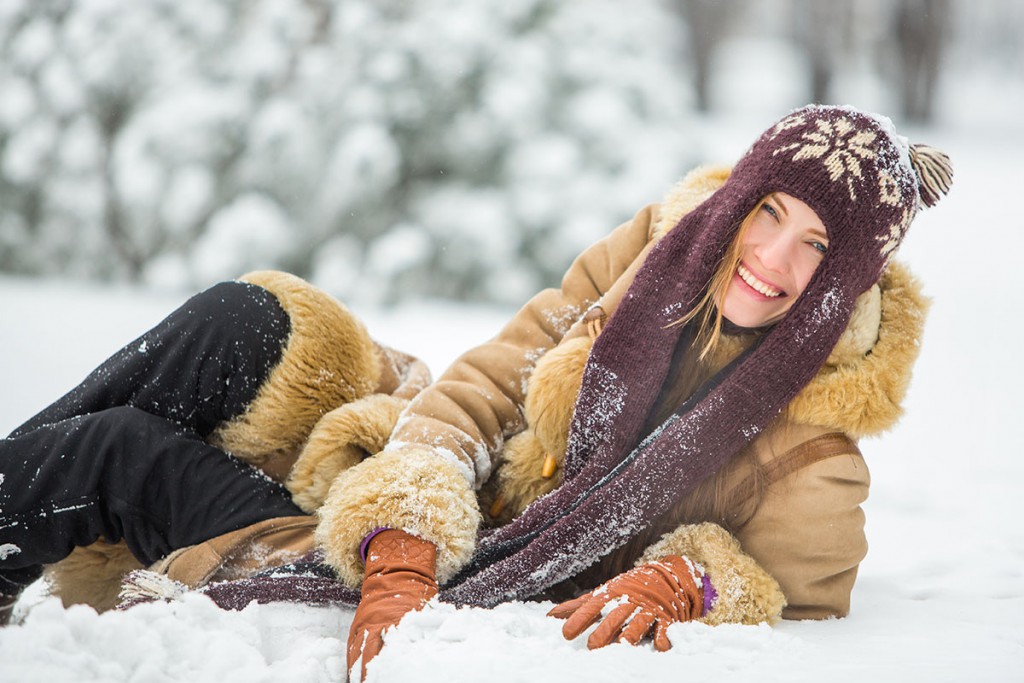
x=478, y=402
x=808, y=533
x=797, y=553
x=446, y=441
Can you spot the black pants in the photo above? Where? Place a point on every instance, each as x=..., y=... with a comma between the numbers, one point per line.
x=123, y=456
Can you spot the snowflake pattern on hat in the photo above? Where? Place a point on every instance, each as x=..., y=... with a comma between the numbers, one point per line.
x=839, y=143
x=892, y=239
x=865, y=181
x=889, y=189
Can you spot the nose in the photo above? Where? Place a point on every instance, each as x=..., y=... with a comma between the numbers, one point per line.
x=776, y=252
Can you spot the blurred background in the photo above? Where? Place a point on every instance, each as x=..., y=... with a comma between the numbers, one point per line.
x=435, y=162
x=391, y=150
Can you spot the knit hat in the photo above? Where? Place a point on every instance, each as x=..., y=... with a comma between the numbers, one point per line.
x=866, y=184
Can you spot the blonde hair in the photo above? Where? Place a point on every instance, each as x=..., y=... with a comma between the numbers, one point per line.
x=709, y=307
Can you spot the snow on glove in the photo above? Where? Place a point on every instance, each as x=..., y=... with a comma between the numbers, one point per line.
x=651, y=596
x=399, y=579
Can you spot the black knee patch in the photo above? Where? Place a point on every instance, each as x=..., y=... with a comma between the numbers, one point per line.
x=250, y=327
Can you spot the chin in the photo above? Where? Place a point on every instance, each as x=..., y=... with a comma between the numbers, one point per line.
x=749, y=321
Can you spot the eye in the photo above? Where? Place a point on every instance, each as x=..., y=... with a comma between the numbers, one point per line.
x=823, y=248
x=771, y=210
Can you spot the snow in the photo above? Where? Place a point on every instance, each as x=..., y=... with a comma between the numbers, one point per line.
x=939, y=597
x=346, y=115
x=248, y=232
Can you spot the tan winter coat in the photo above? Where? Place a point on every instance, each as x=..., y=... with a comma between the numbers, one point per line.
x=504, y=407
x=485, y=429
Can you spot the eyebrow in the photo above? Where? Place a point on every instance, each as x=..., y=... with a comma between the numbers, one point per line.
x=774, y=199
x=814, y=231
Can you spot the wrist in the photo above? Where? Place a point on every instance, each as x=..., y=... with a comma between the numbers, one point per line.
x=709, y=593
x=364, y=546
x=395, y=550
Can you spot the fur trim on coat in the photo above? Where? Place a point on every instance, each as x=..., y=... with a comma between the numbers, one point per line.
x=315, y=375
x=747, y=594
x=414, y=490
x=342, y=438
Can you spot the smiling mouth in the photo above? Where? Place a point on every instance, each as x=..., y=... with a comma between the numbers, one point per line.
x=757, y=285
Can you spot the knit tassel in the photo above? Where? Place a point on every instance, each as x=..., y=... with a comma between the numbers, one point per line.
x=934, y=173
x=142, y=586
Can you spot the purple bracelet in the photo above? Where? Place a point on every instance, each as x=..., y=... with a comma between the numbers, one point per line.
x=710, y=594
x=365, y=545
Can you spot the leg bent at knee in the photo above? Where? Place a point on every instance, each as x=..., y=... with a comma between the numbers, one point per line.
x=329, y=360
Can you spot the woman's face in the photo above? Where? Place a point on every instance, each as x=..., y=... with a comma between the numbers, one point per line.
x=781, y=249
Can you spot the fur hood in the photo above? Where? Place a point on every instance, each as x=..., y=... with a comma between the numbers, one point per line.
x=859, y=390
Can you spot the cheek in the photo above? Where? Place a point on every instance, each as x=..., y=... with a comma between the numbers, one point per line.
x=757, y=232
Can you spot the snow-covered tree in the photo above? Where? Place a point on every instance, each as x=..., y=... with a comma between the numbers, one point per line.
x=447, y=147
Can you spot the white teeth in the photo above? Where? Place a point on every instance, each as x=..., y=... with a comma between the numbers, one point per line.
x=756, y=284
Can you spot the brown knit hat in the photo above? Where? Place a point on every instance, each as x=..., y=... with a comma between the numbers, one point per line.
x=866, y=184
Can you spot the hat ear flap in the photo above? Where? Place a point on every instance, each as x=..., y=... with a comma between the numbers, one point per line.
x=934, y=173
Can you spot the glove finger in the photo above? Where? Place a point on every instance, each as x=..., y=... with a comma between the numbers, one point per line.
x=356, y=640
x=608, y=632
x=374, y=643
x=661, y=641
x=583, y=617
x=565, y=609
x=637, y=628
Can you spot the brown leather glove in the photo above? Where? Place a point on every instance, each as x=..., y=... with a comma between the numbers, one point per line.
x=654, y=596
x=399, y=579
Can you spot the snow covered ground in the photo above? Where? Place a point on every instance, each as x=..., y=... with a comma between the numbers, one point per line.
x=939, y=598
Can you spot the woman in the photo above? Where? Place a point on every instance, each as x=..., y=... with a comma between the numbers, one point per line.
x=649, y=414
x=693, y=388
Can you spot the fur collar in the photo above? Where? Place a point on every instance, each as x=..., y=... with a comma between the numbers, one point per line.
x=859, y=390
x=862, y=385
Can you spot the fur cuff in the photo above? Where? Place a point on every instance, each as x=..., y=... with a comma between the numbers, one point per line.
x=747, y=594
x=330, y=360
x=520, y=480
x=342, y=438
x=410, y=488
